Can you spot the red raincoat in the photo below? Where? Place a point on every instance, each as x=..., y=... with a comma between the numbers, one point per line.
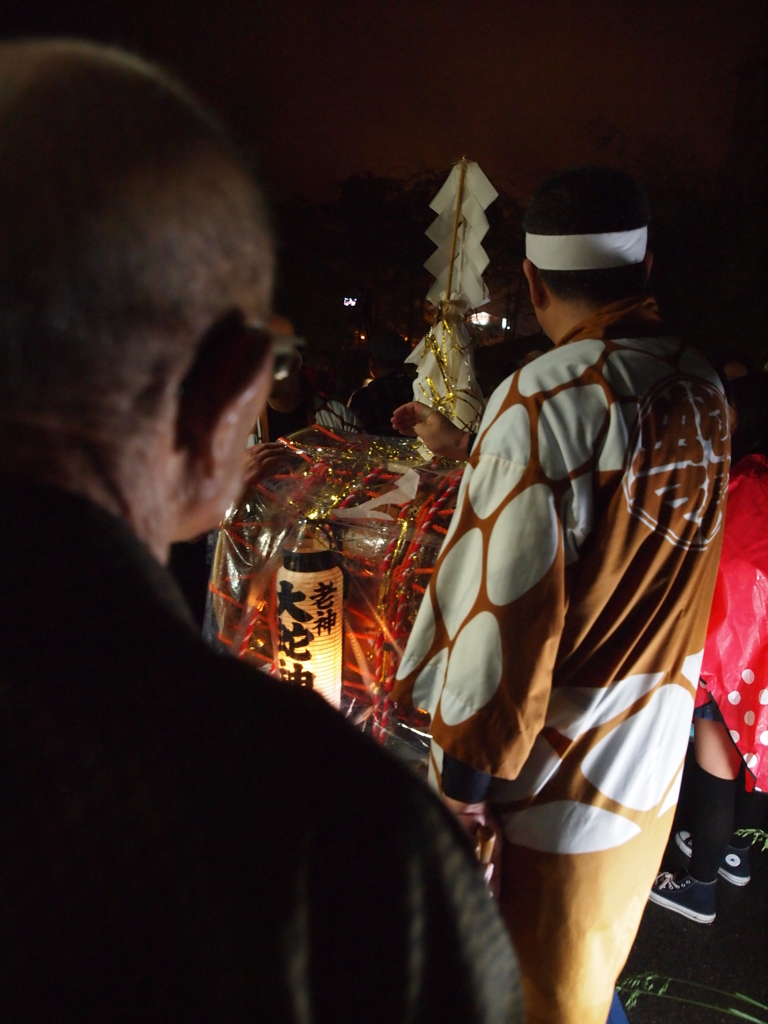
x=735, y=666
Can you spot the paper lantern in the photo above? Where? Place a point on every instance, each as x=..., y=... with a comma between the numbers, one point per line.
x=309, y=592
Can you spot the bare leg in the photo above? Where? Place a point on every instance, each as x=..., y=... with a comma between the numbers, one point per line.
x=715, y=751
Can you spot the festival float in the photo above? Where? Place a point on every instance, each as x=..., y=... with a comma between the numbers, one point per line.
x=320, y=569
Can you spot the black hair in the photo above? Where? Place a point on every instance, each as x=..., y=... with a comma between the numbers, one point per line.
x=749, y=397
x=589, y=200
x=387, y=347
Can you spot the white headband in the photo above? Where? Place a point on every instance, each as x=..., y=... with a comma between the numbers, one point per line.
x=587, y=252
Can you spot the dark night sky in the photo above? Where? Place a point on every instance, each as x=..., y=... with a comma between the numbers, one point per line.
x=323, y=89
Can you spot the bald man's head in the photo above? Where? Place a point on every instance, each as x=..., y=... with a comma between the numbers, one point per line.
x=130, y=227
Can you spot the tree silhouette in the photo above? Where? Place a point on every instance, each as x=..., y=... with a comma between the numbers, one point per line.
x=368, y=244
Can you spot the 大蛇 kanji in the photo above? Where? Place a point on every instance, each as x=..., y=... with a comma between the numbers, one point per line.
x=286, y=602
x=294, y=641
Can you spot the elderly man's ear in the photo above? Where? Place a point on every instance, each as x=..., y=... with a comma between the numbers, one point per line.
x=217, y=408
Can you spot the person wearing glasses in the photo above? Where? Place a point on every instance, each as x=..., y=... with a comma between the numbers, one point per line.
x=184, y=839
x=291, y=406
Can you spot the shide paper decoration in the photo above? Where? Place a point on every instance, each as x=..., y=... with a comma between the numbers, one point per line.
x=446, y=374
x=365, y=514
x=460, y=226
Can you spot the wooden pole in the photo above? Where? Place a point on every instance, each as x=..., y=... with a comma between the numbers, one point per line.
x=456, y=222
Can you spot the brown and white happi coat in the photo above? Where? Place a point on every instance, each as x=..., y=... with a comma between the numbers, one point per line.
x=559, y=643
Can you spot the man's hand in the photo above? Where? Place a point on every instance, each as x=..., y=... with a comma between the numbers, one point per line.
x=472, y=818
x=435, y=430
x=261, y=459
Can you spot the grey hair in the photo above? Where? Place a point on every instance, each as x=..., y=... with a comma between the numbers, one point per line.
x=129, y=224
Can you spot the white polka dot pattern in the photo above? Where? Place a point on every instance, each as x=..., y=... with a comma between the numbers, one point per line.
x=495, y=402
x=421, y=638
x=429, y=682
x=635, y=763
x=749, y=718
x=471, y=679
x=614, y=447
x=459, y=578
x=623, y=368
x=510, y=436
x=523, y=545
x=576, y=516
x=492, y=482
x=734, y=697
x=574, y=709
x=559, y=367
x=569, y=424
x=466, y=480
x=589, y=828
x=748, y=676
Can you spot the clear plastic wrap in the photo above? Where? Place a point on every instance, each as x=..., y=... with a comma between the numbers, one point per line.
x=383, y=512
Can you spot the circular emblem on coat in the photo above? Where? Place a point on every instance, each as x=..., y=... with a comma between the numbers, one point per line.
x=677, y=462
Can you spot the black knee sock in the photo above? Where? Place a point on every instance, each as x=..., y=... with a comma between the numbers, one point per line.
x=749, y=813
x=713, y=823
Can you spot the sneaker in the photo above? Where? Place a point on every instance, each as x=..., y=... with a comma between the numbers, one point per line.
x=685, y=895
x=684, y=841
x=735, y=866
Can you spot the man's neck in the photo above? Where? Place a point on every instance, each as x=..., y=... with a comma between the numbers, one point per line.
x=122, y=486
x=564, y=316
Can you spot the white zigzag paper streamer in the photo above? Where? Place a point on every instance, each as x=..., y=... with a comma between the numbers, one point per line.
x=446, y=372
x=470, y=259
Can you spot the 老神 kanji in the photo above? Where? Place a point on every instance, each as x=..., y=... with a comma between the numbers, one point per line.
x=323, y=595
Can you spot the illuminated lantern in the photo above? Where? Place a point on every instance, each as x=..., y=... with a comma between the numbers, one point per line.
x=309, y=592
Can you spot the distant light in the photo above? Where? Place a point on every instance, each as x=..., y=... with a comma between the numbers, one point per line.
x=350, y=302
x=503, y=323
x=481, y=318
x=362, y=337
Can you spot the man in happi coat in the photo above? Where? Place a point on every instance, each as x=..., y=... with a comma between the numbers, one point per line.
x=558, y=646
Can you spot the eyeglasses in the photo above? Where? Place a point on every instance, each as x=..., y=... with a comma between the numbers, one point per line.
x=233, y=330
x=231, y=351
x=286, y=350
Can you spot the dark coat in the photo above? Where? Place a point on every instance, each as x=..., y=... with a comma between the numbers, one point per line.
x=374, y=404
x=184, y=839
